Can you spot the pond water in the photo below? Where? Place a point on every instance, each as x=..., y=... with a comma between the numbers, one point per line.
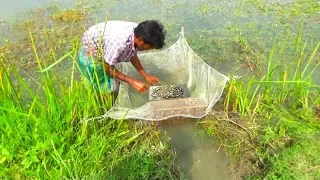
x=210, y=25
x=10, y=9
x=210, y=28
x=199, y=157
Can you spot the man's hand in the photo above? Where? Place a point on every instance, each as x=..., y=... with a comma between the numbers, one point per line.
x=138, y=85
x=152, y=79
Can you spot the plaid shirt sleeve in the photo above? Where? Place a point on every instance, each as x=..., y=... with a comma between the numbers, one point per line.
x=112, y=51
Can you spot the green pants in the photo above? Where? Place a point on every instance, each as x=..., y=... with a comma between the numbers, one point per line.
x=94, y=71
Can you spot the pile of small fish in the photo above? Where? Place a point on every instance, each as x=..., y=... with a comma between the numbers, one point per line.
x=167, y=92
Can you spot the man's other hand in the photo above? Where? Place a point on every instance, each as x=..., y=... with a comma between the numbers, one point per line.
x=152, y=80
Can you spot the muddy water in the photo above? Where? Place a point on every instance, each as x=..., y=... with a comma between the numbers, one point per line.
x=200, y=158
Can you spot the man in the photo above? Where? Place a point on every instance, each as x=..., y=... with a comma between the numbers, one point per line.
x=112, y=42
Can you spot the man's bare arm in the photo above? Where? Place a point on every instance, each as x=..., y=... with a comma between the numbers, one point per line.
x=138, y=85
x=136, y=63
x=113, y=72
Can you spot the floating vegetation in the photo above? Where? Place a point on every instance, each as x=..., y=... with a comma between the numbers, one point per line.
x=71, y=15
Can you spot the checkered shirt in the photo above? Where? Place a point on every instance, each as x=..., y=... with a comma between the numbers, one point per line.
x=117, y=43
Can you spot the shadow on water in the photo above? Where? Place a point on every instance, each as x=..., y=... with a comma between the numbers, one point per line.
x=198, y=157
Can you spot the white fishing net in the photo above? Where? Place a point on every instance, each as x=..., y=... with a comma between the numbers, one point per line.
x=177, y=65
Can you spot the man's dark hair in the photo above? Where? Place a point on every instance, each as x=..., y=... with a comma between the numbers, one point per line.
x=151, y=32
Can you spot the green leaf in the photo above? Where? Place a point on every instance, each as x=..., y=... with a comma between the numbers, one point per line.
x=128, y=141
x=2, y=160
x=6, y=154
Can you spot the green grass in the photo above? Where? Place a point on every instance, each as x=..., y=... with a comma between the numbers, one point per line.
x=45, y=137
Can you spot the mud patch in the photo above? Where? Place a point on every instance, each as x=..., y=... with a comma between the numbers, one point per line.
x=236, y=137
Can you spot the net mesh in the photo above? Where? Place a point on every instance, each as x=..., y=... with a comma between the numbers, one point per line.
x=178, y=64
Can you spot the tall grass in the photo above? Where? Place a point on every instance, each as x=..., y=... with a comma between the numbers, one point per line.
x=283, y=104
x=291, y=85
